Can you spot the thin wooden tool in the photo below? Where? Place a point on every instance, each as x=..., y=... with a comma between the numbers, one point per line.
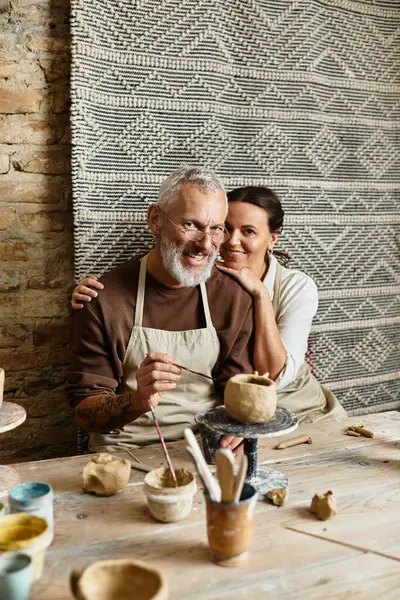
x=240, y=478
x=164, y=447
x=138, y=464
x=225, y=462
x=197, y=465
x=195, y=372
x=210, y=482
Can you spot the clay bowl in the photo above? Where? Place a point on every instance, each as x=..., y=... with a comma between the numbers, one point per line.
x=123, y=579
x=168, y=503
x=250, y=398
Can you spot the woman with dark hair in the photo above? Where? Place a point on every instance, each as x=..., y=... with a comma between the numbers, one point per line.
x=285, y=302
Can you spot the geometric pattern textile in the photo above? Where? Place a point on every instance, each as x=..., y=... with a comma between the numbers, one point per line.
x=300, y=95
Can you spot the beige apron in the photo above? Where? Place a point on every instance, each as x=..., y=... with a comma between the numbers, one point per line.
x=194, y=348
x=304, y=395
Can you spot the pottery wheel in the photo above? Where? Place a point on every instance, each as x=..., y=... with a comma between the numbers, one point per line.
x=264, y=479
x=218, y=420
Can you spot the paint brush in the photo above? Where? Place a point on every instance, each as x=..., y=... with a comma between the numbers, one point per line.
x=195, y=372
x=164, y=447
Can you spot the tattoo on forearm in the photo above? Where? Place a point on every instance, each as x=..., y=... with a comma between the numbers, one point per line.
x=105, y=413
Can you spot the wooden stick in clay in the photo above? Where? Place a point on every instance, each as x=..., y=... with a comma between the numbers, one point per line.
x=301, y=439
x=211, y=483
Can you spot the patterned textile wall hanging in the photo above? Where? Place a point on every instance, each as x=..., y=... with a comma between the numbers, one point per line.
x=299, y=95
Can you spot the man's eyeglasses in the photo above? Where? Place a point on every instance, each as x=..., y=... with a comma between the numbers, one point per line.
x=218, y=234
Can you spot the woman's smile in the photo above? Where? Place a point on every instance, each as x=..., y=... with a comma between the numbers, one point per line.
x=249, y=239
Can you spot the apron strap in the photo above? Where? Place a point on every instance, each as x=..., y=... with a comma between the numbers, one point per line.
x=140, y=292
x=277, y=289
x=205, y=305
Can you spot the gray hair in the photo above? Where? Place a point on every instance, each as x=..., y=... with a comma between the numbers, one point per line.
x=205, y=179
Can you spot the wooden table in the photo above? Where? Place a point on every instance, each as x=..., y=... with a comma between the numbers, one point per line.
x=11, y=416
x=294, y=556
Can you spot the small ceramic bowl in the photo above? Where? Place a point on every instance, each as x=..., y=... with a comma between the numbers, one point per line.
x=121, y=578
x=167, y=503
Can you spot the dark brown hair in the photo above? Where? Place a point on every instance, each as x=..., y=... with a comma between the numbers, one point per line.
x=270, y=202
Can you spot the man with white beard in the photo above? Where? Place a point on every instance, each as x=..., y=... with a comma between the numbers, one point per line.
x=170, y=307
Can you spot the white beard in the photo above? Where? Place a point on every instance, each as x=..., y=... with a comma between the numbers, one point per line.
x=171, y=258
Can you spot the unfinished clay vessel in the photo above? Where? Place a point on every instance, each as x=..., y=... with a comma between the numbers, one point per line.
x=106, y=475
x=122, y=579
x=250, y=398
x=166, y=502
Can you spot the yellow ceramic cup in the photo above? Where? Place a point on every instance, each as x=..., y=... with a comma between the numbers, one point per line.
x=26, y=533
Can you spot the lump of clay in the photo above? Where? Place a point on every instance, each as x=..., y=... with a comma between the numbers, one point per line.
x=279, y=497
x=323, y=506
x=106, y=475
x=250, y=398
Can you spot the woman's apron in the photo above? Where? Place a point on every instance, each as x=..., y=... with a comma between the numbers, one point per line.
x=304, y=395
x=195, y=348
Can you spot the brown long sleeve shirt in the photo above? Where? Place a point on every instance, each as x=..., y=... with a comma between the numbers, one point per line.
x=101, y=330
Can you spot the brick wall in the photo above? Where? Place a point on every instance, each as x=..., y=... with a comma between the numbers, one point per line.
x=36, y=251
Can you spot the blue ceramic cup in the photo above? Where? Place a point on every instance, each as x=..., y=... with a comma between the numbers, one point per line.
x=16, y=572
x=34, y=497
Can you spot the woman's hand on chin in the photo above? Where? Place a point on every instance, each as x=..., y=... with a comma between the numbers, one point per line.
x=247, y=279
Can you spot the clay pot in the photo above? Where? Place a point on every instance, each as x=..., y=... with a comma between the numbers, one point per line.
x=250, y=398
x=110, y=579
x=168, y=503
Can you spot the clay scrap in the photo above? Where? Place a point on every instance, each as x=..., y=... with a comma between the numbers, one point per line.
x=300, y=439
x=105, y=475
x=323, y=506
x=279, y=497
x=358, y=430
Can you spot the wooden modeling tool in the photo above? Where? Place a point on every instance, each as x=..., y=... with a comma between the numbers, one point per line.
x=211, y=484
x=197, y=465
x=239, y=479
x=138, y=464
x=193, y=371
x=164, y=447
x=225, y=462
